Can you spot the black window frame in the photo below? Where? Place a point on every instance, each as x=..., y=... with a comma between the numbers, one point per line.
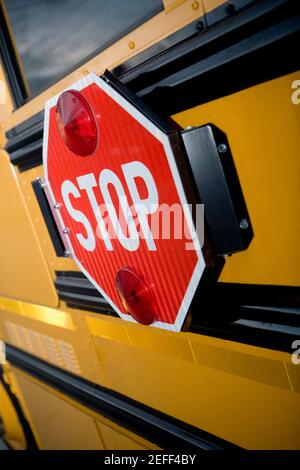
x=12, y=62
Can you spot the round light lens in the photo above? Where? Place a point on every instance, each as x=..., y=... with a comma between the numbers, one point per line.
x=76, y=123
x=136, y=296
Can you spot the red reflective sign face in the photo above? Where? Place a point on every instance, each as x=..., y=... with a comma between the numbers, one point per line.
x=114, y=203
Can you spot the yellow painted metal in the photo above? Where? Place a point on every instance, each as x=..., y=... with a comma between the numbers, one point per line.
x=53, y=262
x=24, y=273
x=115, y=439
x=14, y=434
x=38, y=312
x=46, y=411
x=86, y=430
x=48, y=315
x=245, y=394
x=263, y=128
x=238, y=392
x=62, y=338
x=171, y=4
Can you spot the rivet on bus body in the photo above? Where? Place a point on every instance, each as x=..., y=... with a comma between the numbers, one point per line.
x=244, y=224
x=222, y=148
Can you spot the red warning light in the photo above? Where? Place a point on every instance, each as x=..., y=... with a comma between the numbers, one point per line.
x=77, y=123
x=136, y=296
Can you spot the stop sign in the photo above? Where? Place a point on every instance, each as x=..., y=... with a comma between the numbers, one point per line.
x=113, y=182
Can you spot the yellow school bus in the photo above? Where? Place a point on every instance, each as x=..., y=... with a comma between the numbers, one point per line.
x=73, y=374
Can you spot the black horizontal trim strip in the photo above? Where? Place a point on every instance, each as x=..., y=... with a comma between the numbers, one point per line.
x=248, y=46
x=223, y=309
x=167, y=56
x=28, y=156
x=75, y=281
x=261, y=326
x=34, y=120
x=87, y=302
x=21, y=138
x=258, y=294
x=129, y=69
x=175, y=44
x=252, y=46
x=271, y=314
x=159, y=428
x=240, y=333
x=25, y=142
x=78, y=292
x=238, y=71
x=219, y=309
x=231, y=8
x=274, y=298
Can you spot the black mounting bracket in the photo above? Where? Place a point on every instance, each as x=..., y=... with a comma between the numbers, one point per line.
x=218, y=186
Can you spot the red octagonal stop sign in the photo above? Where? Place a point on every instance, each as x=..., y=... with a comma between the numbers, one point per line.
x=113, y=206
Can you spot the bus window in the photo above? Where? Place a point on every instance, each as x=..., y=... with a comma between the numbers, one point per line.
x=53, y=36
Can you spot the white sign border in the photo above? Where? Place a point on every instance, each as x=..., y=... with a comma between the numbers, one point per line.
x=163, y=138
